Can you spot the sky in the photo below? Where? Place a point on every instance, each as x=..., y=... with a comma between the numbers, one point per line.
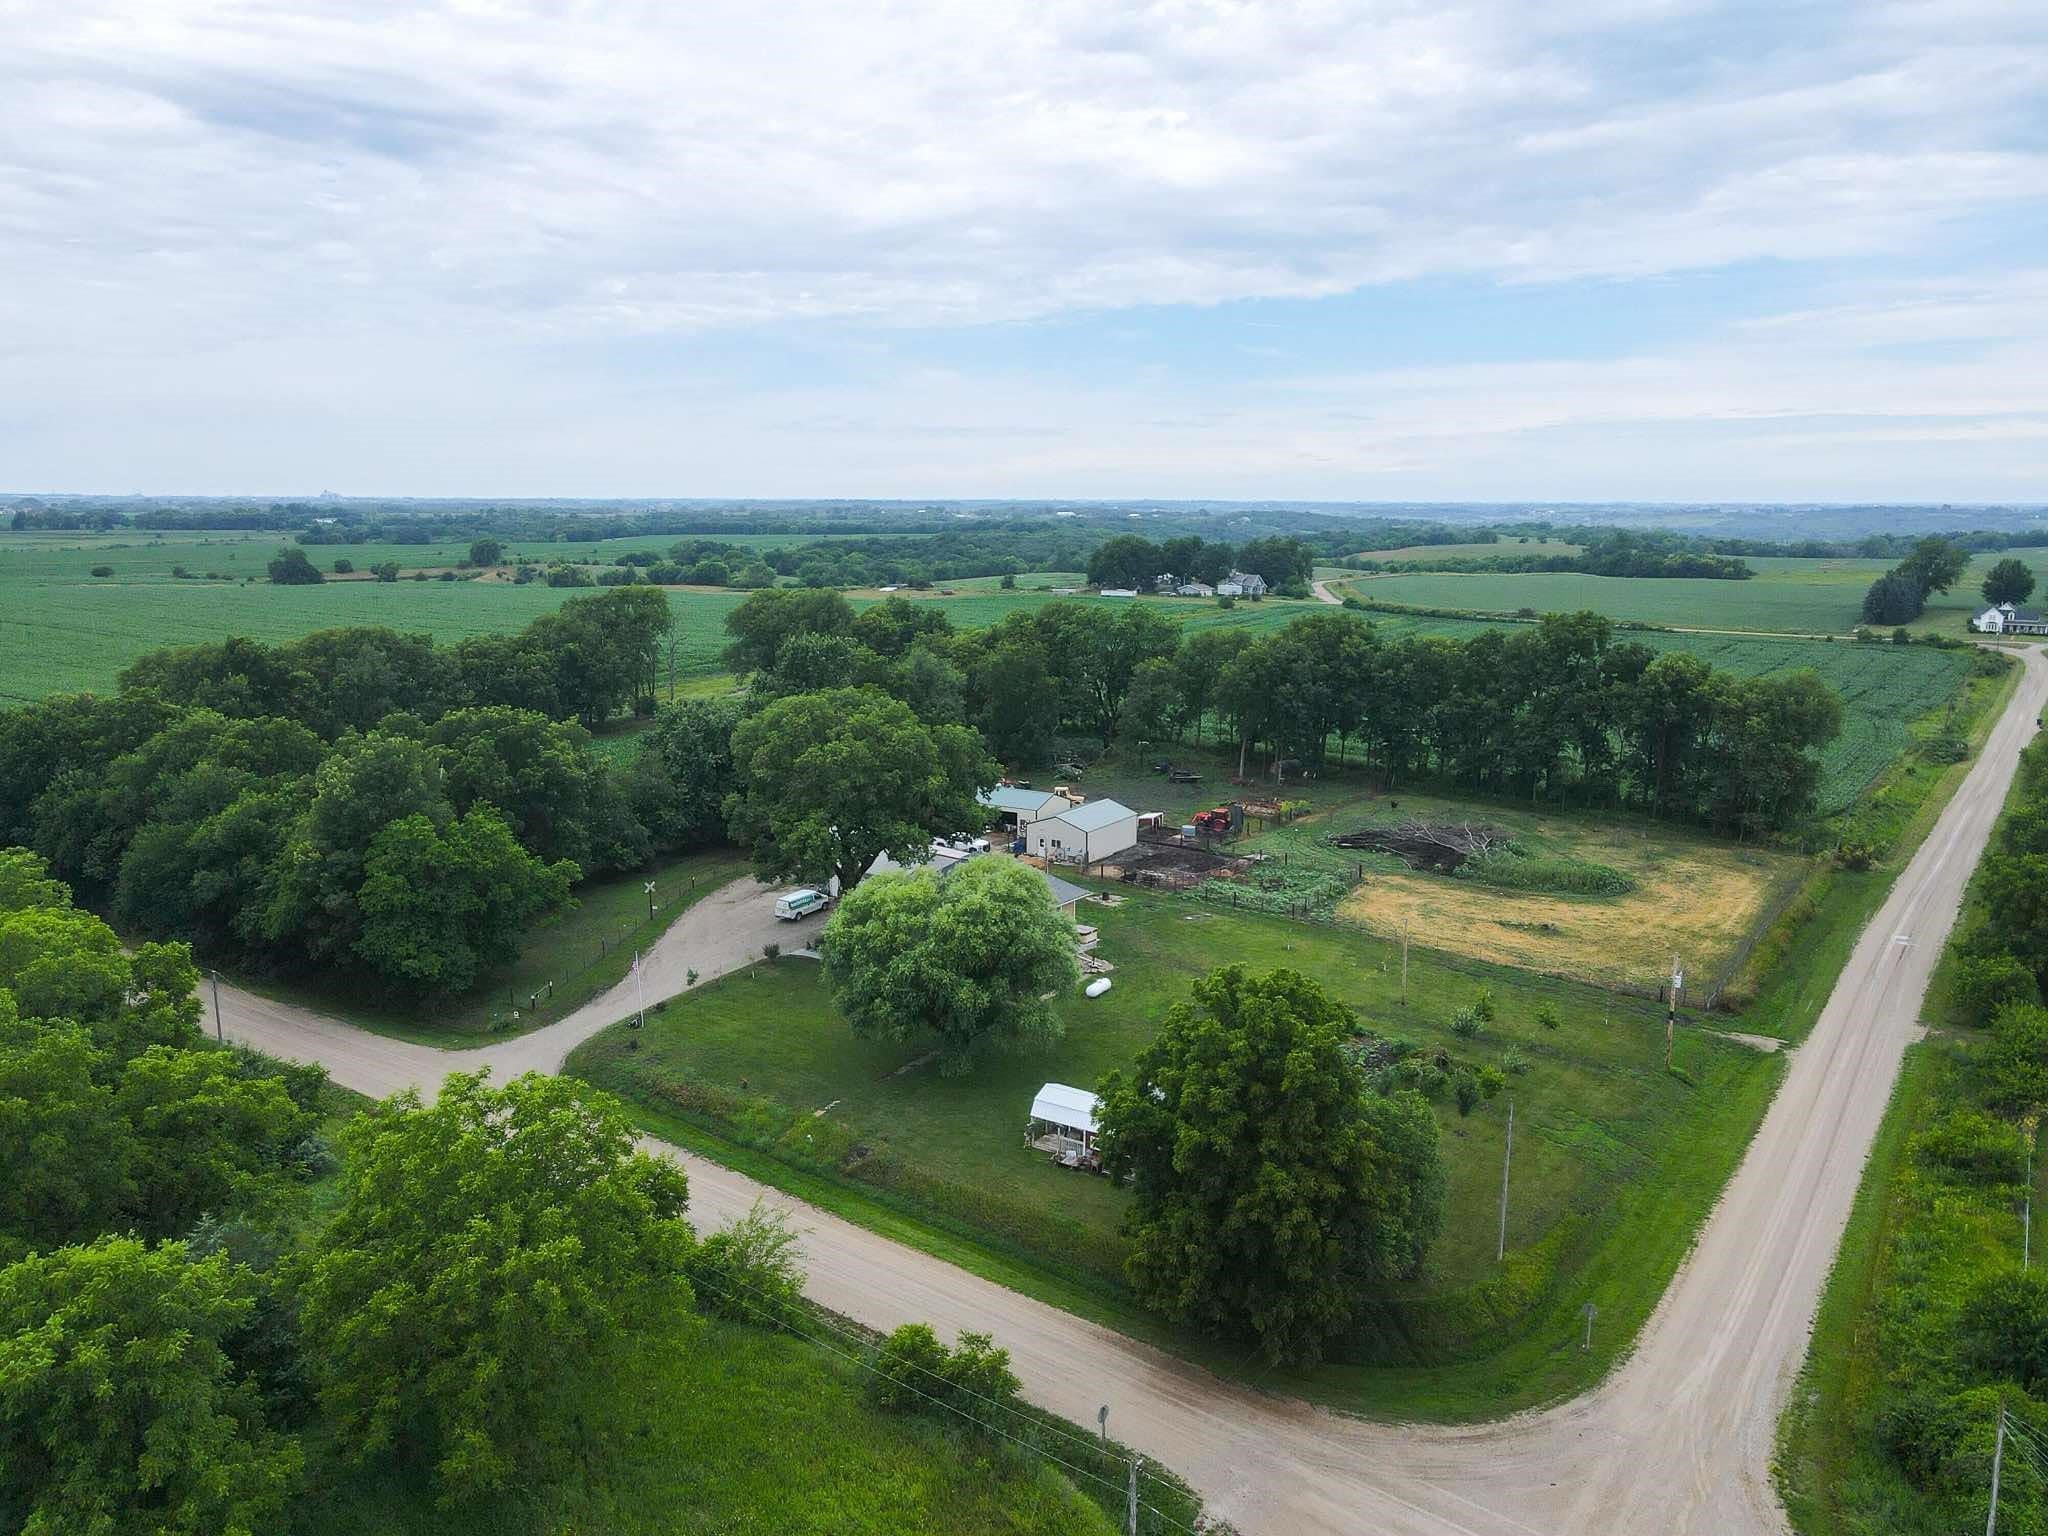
x=1585, y=250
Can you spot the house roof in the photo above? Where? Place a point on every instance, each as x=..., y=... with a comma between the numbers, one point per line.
x=1007, y=797
x=1095, y=814
x=1065, y=1105
x=1064, y=892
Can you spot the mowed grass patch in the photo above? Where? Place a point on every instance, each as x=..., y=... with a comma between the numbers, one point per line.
x=564, y=960
x=763, y=1059
x=712, y=1427
x=1695, y=897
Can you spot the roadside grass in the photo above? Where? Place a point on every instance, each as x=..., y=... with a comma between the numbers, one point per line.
x=1615, y=1159
x=711, y=1426
x=563, y=963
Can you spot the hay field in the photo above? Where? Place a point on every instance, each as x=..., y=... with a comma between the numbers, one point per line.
x=1694, y=897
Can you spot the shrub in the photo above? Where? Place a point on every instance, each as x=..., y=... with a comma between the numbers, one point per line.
x=1982, y=985
x=908, y=1367
x=1971, y=1143
x=1468, y=1092
x=2016, y=1063
x=385, y=570
x=1571, y=877
x=1514, y=1061
x=749, y=1269
x=771, y=951
x=1483, y=1005
x=1008, y=583
x=103, y=570
x=2003, y=1328
x=344, y=566
x=1491, y=1081
x=1547, y=1016
x=1855, y=855
x=1465, y=1023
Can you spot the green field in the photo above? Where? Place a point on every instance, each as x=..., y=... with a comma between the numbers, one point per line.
x=757, y=1057
x=1791, y=596
x=1502, y=549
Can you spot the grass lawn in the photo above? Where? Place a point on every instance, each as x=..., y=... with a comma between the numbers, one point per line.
x=564, y=962
x=711, y=1427
x=756, y=1057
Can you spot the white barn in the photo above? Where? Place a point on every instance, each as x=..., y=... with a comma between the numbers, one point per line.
x=1083, y=834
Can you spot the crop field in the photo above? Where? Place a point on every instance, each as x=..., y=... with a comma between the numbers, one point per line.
x=1788, y=596
x=1503, y=548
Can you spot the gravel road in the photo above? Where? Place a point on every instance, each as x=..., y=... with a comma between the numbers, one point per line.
x=1677, y=1441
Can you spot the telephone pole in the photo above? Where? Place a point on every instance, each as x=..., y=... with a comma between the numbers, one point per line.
x=1131, y=1505
x=216, y=1007
x=1404, y=962
x=1506, y=1162
x=1997, y=1461
x=1671, y=1010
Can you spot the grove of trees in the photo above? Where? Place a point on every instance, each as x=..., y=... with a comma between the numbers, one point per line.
x=1900, y=595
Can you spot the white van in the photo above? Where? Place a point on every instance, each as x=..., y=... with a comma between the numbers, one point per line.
x=798, y=905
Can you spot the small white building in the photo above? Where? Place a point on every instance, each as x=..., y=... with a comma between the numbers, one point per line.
x=1063, y=1123
x=1083, y=834
x=1194, y=589
x=2005, y=619
x=1118, y=592
x=1014, y=808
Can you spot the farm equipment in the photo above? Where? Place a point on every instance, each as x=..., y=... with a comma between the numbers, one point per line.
x=1162, y=766
x=1184, y=776
x=1213, y=823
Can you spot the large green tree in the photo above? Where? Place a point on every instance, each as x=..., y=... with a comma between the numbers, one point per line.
x=120, y=1408
x=974, y=957
x=829, y=781
x=2008, y=581
x=490, y=1248
x=1272, y=1192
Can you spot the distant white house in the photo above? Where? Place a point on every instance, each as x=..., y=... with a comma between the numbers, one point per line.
x=1194, y=589
x=2005, y=619
x=1242, y=584
x=1083, y=834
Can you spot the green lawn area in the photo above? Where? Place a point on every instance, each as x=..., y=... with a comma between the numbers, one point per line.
x=718, y=1428
x=563, y=963
x=1609, y=1147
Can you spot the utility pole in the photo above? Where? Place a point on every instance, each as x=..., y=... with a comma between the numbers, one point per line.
x=2027, y=1210
x=1997, y=1460
x=1506, y=1162
x=1131, y=1520
x=216, y=1008
x=1404, y=962
x=1671, y=1010
x=639, y=992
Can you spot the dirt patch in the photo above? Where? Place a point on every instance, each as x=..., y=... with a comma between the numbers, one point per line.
x=1697, y=900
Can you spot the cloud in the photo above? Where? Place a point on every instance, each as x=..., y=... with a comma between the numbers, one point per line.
x=404, y=214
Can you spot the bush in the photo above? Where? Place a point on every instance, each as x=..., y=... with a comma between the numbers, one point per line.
x=1547, y=1016
x=1483, y=1005
x=1465, y=1023
x=1008, y=583
x=749, y=1269
x=1982, y=985
x=616, y=576
x=1570, y=877
x=1491, y=1081
x=2003, y=1328
x=913, y=1370
x=103, y=570
x=344, y=566
x=2016, y=1062
x=1468, y=1092
x=1514, y=1061
x=386, y=570
x=1973, y=1144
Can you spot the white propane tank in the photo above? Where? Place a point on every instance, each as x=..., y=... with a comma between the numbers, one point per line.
x=1096, y=987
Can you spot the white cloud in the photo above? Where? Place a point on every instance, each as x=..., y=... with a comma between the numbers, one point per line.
x=233, y=231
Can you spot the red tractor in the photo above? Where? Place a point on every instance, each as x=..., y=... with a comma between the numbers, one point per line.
x=1214, y=823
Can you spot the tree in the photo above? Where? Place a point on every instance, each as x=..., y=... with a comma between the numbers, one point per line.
x=440, y=904
x=120, y=1408
x=490, y=1248
x=1935, y=565
x=2016, y=1061
x=486, y=551
x=972, y=956
x=291, y=568
x=64, y=1150
x=2008, y=581
x=764, y=622
x=1152, y=708
x=1125, y=560
x=678, y=783
x=829, y=781
x=1894, y=598
x=207, y=1137
x=1272, y=1193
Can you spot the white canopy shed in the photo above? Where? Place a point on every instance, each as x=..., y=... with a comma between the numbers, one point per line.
x=1063, y=1123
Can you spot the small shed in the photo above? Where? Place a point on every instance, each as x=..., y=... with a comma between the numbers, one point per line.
x=1014, y=809
x=1062, y=1123
x=1084, y=834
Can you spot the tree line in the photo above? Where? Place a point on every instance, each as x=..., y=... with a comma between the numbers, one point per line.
x=1621, y=552
x=1900, y=595
x=1129, y=560
x=1561, y=710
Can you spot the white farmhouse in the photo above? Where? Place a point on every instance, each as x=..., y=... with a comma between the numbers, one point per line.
x=2005, y=619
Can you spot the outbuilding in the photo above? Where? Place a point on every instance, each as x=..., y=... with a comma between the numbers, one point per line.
x=1063, y=1123
x=1014, y=808
x=1083, y=834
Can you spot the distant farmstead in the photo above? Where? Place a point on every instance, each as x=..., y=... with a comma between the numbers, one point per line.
x=1242, y=584
x=2005, y=619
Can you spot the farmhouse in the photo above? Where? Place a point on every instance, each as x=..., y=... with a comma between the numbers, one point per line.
x=1242, y=584
x=1083, y=834
x=1066, y=895
x=2005, y=619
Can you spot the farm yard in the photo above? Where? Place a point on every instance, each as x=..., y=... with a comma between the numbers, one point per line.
x=762, y=1059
